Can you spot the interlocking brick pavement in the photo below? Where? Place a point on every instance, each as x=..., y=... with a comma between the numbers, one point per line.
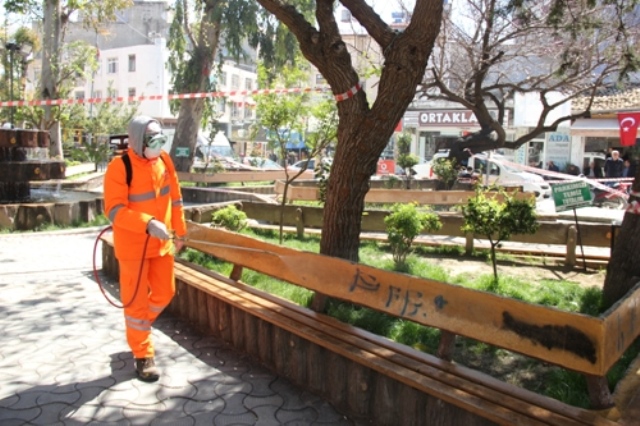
x=64, y=358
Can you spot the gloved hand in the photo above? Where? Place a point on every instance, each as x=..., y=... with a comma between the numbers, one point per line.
x=157, y=229
x=178, y=244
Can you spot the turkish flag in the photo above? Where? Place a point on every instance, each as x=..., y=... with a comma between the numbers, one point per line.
x=629, y=122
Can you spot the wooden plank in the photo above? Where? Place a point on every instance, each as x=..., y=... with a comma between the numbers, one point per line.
x=295, y=192
x=192, y=304
x=404, y=369
x=251, y=333
x=308, y=193
x=550, y=232
x=621, y=326
x=316, y=365
x=202, y=314
x=265, y=339
x=360, y=389
x=225, y=177
x=212, y=314
x=237, y=328
x=570, y=340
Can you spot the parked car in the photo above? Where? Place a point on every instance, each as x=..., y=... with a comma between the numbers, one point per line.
x=424, y=170
x=262, y=163
x=495, y=171
x=309, y=164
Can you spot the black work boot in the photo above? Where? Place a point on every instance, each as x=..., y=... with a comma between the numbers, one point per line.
x=146, y=369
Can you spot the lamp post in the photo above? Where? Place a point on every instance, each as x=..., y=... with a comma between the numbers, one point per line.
x=24, y=51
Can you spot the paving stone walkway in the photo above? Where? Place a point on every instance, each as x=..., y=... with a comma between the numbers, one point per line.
x=64, y=358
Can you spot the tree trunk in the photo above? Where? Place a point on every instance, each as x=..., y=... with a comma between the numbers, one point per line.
x=363, y=130
x=190, y=114
x=50, y=59
x=342, y=215
x=186, y=135
x=623, y=271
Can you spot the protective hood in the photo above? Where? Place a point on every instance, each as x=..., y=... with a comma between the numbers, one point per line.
x=137, y=130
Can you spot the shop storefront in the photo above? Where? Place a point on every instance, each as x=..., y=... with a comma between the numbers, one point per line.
x=433, y=127
x=600, y=135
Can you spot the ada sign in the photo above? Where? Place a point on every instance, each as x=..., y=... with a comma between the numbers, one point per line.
x=182, y=151
x=571, y=195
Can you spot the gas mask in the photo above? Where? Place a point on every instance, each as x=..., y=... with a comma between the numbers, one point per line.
x=153, y=144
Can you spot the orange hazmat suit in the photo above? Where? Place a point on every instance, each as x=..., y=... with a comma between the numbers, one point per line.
x=146, y=263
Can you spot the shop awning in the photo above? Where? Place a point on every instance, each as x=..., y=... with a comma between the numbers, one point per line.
x=596, y=127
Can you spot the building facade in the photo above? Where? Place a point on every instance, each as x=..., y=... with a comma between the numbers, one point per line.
x=133, y=56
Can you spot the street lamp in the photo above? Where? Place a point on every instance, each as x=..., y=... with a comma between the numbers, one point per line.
x=24, y=50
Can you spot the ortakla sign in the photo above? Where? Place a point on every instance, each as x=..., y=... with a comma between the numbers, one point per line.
x=451, y=118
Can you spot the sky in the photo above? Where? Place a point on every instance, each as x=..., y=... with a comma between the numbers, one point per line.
x=384, y=8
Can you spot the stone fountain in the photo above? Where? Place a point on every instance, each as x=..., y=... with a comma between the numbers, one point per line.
x=24, y=159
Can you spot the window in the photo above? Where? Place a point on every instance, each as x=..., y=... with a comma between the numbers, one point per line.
x=222, y=105
x=223, y=79
x=235, y=82
x=97, y=94
x=112, y=93
x=79, y=94
x=345, y=15
x=248, y=84
x=132, y=63
x=320, y=80
x=112, y=66
x=235, y=110
x=132, y=92
x=248, y=113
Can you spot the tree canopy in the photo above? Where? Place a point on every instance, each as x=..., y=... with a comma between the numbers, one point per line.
x=491, y=50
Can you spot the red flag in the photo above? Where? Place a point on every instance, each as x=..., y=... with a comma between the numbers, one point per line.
x=629, y=122
x=398, y=127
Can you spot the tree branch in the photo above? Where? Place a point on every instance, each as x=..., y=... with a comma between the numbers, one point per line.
x=371, y=21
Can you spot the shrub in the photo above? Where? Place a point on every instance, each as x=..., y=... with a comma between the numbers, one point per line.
x=230, y=218
x=446, y=170
x=404, y=224
x=495, y=219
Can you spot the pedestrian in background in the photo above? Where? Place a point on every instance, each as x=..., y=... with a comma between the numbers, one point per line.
x=592, y=171
x=613, y=166
x=143, y=201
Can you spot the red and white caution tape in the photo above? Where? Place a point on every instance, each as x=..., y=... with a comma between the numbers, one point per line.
x=349, y=93
x=563, y=177
x=120, y=99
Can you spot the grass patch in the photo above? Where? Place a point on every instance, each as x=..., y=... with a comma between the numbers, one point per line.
x=555, y=382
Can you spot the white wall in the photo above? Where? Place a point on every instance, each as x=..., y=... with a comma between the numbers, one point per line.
x=149, y=78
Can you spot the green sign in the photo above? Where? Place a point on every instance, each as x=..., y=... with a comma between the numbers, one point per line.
x=571, y=195
x=182, y=152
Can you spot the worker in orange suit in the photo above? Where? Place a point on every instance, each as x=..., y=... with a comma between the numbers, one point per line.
x=144, y=204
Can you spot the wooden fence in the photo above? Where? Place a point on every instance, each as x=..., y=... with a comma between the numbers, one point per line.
x=550, y=231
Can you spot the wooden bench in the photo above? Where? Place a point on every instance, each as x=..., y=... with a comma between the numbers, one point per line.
x=366, y=376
